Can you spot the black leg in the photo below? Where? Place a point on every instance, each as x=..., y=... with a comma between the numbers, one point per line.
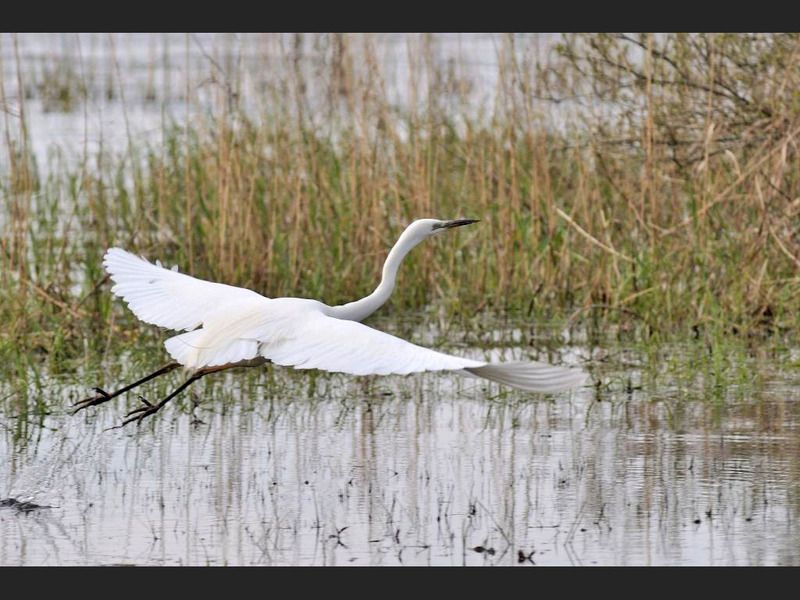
x=138, y=414
x=103, y=396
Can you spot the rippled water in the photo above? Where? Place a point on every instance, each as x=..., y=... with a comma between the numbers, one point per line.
x=281, y=468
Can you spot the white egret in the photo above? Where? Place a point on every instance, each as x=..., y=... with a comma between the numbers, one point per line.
x=230, y=327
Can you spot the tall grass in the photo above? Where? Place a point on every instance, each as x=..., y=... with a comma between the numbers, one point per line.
x=646, y=181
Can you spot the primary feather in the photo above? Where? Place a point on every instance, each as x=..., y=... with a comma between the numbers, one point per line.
x=226, y=324
x=165, y=297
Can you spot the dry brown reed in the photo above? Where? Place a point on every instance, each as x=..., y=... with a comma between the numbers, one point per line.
x=647, y=180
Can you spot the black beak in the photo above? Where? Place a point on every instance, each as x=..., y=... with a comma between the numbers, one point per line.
x=456, y=223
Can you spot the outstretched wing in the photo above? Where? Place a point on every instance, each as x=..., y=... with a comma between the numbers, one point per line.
x=329, y=344
x=166, y=297
x=317, y=341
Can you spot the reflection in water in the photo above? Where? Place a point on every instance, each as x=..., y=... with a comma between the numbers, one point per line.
x=276, y=469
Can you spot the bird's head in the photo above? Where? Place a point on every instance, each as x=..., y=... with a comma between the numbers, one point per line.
x=424, y=228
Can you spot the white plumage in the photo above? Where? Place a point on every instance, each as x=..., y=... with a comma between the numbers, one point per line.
x=225, y=325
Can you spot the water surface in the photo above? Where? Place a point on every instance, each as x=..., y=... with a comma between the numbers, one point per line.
x=284, y=468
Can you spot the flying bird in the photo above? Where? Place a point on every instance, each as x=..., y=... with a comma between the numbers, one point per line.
x=227, y=327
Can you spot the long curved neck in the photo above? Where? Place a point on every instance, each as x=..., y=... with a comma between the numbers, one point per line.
x=361, y=309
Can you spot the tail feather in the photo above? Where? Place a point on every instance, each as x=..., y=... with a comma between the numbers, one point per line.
x=531, y=376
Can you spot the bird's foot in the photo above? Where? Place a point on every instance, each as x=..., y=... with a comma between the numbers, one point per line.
x=141, y=413
x=99, y=398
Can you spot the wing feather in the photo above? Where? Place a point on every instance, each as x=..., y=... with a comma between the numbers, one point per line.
x=318, y=341
x=322, y=342
x=165, y=297
x=294, y=332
